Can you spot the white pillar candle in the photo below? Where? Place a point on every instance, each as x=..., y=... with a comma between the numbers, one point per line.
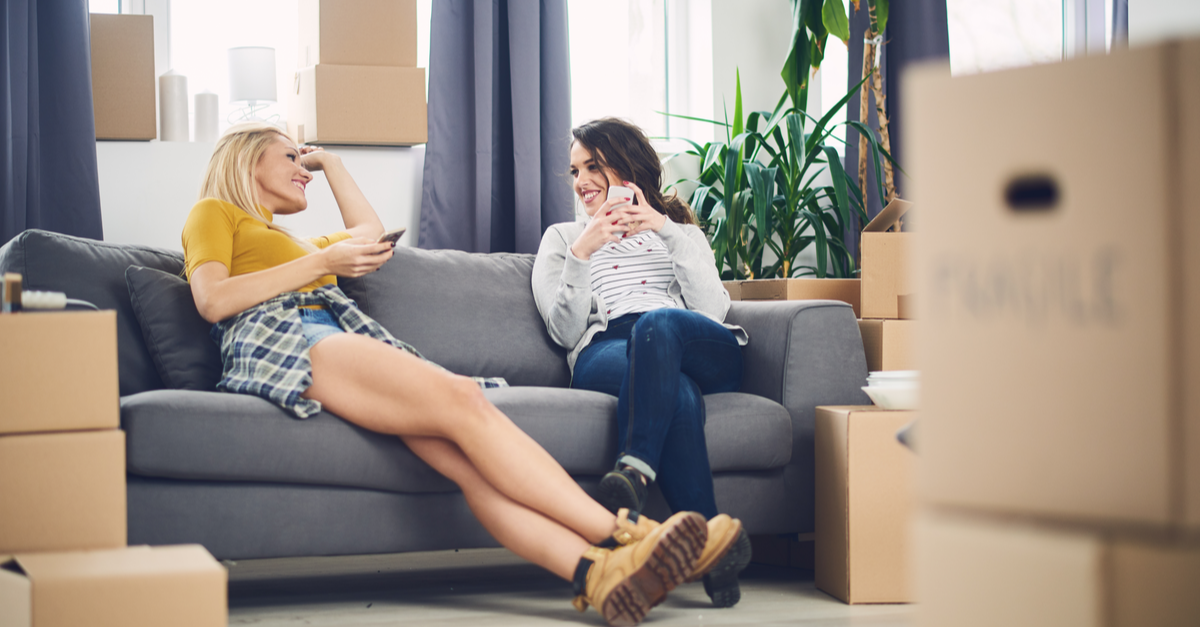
x=172, y=107
x=206, y=117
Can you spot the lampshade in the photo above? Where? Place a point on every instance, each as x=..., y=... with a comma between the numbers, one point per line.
x=252, y=74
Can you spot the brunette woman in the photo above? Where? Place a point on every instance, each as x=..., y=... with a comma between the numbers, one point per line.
x=632, y=290
x=288, y=334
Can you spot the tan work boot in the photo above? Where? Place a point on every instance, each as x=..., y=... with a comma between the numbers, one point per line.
x=625, y=582
x=726, y=553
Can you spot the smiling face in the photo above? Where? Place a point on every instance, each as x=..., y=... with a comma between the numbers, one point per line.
x=591, y=179
x=280, y=178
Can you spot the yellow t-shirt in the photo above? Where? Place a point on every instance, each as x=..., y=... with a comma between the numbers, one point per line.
x=219, y=231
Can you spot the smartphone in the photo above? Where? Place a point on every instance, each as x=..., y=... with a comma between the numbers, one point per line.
x=391, y=236
x=620, y=191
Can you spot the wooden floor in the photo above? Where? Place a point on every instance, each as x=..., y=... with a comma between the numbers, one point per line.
x=493, y=587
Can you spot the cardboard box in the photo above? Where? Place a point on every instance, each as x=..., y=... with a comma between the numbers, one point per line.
x=123, y=76
x=372, y=105
x=1066, y=323
x=845, y=290
x=734, y=288
x=59, y=372
x=863, y=503
x=181, y=586
x=62, y=491
x=889, y=344
x=358, y=32
x=885, y=262
x=975, y=571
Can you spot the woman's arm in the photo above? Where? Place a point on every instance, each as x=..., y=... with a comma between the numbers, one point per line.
x=695, y=269
x=219, y=296
x=562, y=287
x=357, y=214
x=691, y=255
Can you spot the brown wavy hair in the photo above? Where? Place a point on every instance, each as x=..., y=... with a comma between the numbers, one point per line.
x=624, y=148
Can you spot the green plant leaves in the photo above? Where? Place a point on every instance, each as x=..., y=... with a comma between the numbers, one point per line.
x=835, y=19
x=881, y=14
x=795, y=68
x=762, y=187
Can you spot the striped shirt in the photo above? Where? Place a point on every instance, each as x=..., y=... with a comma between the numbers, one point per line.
x=632, y=276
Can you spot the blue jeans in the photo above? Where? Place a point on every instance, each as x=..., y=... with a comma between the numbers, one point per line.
x=318, y=324
x=659, y=364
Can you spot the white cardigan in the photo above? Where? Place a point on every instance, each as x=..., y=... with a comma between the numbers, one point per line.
x=562, y=285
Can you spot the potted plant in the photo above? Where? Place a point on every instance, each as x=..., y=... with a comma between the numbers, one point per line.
x=757, y=193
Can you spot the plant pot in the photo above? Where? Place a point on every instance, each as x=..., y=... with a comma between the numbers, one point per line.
x=845, y=290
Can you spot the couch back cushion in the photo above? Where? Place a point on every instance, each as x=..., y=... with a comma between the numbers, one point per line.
x=472, y=313
x=93, y=271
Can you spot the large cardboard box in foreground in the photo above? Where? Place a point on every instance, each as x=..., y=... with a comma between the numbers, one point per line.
x=180, y=586
x=59, y=371
x=352, y=104
x=889, y=344
x=62, y=491
x=1058, y=270
x=358, y=32
x=980, y=572
x=885, y=262
x=845, y=290
x=123, y=76
x=863, y=504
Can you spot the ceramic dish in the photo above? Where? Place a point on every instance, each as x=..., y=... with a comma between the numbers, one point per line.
x=893, y=397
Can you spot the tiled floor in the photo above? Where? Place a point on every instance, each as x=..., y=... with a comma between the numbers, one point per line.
x=493, y=587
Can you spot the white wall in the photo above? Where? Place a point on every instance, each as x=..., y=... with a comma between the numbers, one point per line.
x=1155, y=20
x=147, y=189
x=751, y=36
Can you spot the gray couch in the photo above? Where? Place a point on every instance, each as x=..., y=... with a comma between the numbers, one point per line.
x=246, y=480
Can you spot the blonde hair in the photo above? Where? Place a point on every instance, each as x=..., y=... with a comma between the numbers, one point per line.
x=230, y=173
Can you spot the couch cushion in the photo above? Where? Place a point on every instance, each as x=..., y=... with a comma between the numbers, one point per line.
x=472, y=313
x=93, y=271
x=175, y=334
x=231, y=437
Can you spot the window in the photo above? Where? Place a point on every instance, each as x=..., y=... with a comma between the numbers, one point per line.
x=637, y=59
x=988, y=35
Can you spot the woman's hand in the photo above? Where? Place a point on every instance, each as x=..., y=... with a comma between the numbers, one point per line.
x=642, y=216
x=314, y=158
x=355, y=257
x=607, y=225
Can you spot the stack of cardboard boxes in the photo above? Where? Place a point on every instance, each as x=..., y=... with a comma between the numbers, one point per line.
x=359, y=82
x=1059, y=280
x=863, y=473
x=63, y=559
x=886, y=324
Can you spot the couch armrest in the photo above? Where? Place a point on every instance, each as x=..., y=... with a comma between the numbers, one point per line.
x=802, y=353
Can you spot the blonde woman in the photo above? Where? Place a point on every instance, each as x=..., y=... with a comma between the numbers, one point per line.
x=288, y=334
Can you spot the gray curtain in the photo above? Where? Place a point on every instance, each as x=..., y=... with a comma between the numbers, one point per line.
x=48, y=175
x=916, y=31
x=499, y=125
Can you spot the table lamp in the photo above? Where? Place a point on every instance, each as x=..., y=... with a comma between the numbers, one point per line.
x=252, y=79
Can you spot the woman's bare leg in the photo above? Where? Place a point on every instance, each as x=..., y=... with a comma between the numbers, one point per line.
x=529, y=534
x=389, y=391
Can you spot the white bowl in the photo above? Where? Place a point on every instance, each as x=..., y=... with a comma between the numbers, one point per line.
x=894, y=375
x=894, y=397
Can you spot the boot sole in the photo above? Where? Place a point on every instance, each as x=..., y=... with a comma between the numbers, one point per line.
x=721, y=583
x=730, y=539
x=616, y=491
x=669, y=563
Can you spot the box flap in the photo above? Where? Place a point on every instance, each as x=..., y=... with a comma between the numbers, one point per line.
x=888, y=218
x=141, y=561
